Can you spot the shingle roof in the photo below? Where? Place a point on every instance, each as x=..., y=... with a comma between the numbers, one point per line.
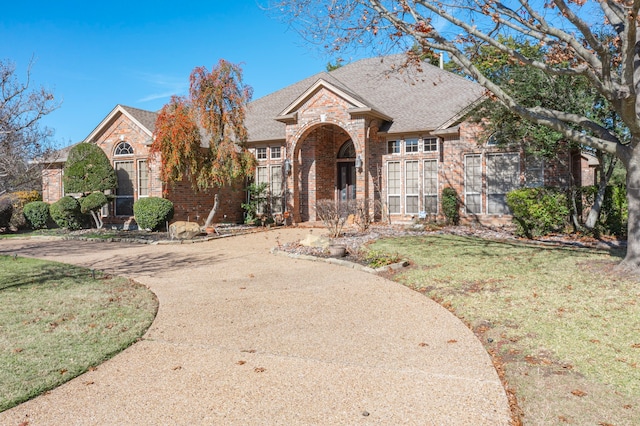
x=146, y=118
x=416, y=101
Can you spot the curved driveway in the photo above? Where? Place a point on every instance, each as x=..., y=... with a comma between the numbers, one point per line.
x=249, y=338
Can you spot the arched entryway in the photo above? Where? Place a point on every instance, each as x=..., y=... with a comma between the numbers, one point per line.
x=324, y=160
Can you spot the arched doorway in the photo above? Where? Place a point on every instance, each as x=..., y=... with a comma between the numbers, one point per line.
x=346, y=174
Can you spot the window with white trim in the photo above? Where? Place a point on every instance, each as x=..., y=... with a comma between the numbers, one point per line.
x=276, y=189
x=262, y=177
x=276, y=152
x=412, y=187
x=123, y=148
x=261, y=153
x=125, y=192
x=143, y=179
x=473, y=183
x=393, y=186
x=430, y=145
x=503, y=175
x=430, y=186
x=393, y=147
x=411, y=145
x=534, y=171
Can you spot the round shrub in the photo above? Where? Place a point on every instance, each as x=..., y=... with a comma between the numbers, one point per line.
x=450, y=205
x=66, y=213
x=93, y=202
x=37, y=214
x=152, y=212
x=538, y=211
x=6, y=211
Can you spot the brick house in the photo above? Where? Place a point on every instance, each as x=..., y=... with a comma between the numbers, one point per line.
x=362, y=131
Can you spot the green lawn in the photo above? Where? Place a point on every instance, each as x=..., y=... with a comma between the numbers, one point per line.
x=57, y=321
x=565, y=326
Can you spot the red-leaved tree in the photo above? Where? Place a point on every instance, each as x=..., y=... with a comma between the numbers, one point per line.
x=202, y=137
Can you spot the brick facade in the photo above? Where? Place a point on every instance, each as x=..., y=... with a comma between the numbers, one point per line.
x=298, y=134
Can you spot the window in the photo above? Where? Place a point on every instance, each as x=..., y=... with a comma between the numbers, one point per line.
x=430, y=145
x=393, y=147
x=534, y=171
x=261, y=153
x=393, y=184
x=276, y=189
x=411, y=187
x=123, y=148
x=143, y=179
x=473, y=183
x=503, y=175
x=124, y=193
x=411, y=145
x=276, y=153
x=262, y=177
x=431, y=186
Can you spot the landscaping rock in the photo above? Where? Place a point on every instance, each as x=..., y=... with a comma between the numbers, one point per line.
x=182, y=230
x=316, y=241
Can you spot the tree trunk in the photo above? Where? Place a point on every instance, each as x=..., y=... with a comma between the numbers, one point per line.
x=213, y=211
x=631, y=262
x=605, y=176
x=97, y=219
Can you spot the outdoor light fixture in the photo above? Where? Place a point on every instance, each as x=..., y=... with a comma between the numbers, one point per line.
x=287, y=167
x=359, y=163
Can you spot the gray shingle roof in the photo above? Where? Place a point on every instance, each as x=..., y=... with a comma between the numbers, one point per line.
x=415, y=100
x=146, y=118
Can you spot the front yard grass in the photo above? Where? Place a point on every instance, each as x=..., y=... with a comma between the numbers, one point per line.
x=563, y=325
x=57, y=321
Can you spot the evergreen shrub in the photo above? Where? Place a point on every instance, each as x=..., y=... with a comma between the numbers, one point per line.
x=66, y=213
x=152, y=212
x=450, y=205
x=538, y=211
x=37, y=214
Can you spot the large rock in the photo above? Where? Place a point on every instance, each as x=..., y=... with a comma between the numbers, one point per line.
x=182, y=230
x=316, y=241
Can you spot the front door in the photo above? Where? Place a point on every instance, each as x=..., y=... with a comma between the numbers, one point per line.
x=347, y=180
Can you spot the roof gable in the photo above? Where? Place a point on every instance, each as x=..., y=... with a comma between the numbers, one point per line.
x=408, y=100
x=145, y=120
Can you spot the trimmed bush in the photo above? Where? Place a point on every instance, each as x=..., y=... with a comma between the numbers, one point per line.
x=152, y=212
x=88, y=169
x=450, y=206
x=93, y=202
x=37, y=214
x=6, y=211
x=538, y=211
x=66, y=213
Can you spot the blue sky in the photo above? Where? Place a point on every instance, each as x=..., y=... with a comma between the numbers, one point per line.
x=94, y=55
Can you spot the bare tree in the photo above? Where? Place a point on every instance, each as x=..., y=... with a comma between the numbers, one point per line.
x=594, y=39
x=22, y=139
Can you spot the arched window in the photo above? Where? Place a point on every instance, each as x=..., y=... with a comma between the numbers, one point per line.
x=124, y=148
x=347, y=150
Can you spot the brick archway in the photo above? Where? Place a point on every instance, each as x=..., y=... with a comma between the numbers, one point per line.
x=314, y=160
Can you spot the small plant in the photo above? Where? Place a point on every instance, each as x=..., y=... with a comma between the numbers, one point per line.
x=152, y=212
x=538, y=211
x=450, y=206
x=360, y=209
x=333, y=215
x=256, y=203
x=378, y=259
x=66, y=213
x=37, y=214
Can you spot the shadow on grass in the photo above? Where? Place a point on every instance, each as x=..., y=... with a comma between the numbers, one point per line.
x=479, y=247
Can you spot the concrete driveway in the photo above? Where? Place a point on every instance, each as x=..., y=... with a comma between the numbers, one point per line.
x=249, y=338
